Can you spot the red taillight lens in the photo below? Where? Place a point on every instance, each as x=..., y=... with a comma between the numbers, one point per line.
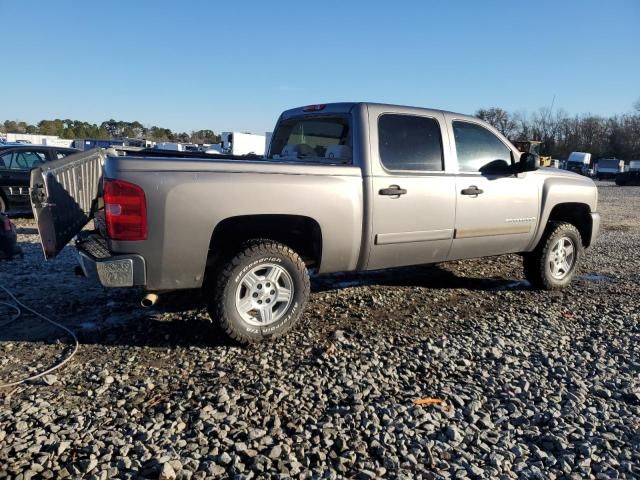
x=125, y=208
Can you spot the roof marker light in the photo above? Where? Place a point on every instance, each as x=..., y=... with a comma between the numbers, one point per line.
x=314, y=108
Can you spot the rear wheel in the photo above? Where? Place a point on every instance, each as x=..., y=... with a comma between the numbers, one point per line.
x=260, y=292
x=554, y=262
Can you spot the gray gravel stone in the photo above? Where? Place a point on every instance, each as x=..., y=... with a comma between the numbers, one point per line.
x=535, y=384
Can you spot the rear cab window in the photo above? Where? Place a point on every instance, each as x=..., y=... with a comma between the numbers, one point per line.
x=315, y=139
x=410, y=143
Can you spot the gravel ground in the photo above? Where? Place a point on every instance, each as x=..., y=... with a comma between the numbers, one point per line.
x=534, y=384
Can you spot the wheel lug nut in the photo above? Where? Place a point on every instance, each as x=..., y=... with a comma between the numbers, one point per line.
x=268, y=300
x=260, y=302
x=255, y=295
x=259, y=285
x=273, y=292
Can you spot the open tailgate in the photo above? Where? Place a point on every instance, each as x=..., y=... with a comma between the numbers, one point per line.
x=64, y=196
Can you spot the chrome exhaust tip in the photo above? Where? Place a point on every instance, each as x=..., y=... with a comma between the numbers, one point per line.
x=149, y=300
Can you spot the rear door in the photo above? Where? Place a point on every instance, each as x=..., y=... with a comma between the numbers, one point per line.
x=496, y=210
x=64, y=197
x=412, y=197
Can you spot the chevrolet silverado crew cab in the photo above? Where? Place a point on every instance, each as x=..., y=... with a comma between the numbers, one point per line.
x=343, y=187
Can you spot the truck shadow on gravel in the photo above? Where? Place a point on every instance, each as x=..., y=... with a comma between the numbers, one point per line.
x=180, y=319
x=427, y=276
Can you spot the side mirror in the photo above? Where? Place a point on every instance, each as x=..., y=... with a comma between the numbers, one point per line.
x=528, y=162
x=497, y=167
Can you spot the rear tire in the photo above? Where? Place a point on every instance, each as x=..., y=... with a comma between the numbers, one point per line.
x=556, y=259
x=260, y=292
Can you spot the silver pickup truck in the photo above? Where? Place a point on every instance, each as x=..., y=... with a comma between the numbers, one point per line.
x=343, y=187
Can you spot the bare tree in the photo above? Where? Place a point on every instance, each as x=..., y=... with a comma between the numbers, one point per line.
x=499, y=119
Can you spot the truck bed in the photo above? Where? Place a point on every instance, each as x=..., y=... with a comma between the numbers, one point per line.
x=188, y=196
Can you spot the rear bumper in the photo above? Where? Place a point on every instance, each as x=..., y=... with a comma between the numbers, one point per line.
x=595, y=228
x=110, y=270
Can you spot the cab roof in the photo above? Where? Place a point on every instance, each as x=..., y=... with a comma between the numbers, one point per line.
x=347, y=107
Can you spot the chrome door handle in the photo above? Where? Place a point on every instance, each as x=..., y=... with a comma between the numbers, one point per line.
x=392, y=190
x=472, y=190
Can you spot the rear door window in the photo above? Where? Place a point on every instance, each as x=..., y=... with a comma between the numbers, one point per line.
x=409, y=142
x=22, y=160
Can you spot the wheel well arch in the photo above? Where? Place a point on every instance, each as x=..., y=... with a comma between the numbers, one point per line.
x=302, y=234
x=577, y=214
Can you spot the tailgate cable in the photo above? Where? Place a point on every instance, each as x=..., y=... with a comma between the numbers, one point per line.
x=18, y=312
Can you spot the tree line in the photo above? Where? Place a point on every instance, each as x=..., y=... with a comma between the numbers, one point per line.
x=72, y=129
x=604, y=137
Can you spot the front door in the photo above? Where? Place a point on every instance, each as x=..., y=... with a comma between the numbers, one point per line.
x=413, y=199
x=496, y=210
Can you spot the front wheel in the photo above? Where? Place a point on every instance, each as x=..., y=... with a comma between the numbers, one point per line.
x=554, y=262
x=260, y=292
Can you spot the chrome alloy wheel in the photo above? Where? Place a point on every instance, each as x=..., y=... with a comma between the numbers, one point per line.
x=562, y=258
x=264, y=294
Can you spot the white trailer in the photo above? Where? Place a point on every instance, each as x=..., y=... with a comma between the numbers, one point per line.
x=35, y=139
x=237, y=143
x=177, y=147
x=57, y=142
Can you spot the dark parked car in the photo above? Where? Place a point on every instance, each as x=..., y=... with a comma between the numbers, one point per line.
x=8, y=239
x=628, y=178
x=16, y=162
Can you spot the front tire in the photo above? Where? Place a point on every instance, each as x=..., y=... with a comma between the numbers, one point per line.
x=260, y=292
x=556, y=259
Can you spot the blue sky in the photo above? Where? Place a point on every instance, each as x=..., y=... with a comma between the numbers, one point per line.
x=235, y=65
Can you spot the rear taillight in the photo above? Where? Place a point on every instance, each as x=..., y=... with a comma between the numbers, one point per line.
x=125, y=210
x=6, y=224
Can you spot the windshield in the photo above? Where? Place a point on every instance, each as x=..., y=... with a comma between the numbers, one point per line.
x=535, y=148
x=324, y=139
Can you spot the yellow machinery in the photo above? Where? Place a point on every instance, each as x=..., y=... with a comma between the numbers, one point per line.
x=533, y=146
